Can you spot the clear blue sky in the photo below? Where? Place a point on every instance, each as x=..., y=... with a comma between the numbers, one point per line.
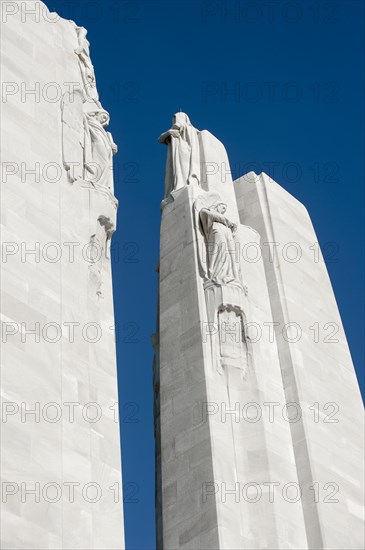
x=298, y=69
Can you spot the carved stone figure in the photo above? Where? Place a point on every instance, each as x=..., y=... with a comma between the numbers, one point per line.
x=99, y=252
x=86, y=67
x=225, y=292
x=99, y=149
x=223, y=254
x=183, y=157
x=87, y=147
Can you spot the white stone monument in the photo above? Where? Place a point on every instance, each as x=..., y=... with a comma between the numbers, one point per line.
x=60, y=442
x=258, y=415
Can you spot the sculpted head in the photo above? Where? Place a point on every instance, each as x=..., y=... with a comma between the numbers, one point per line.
x=101, y=116
x=220, y=207
x=92, y=108
x=180, y=118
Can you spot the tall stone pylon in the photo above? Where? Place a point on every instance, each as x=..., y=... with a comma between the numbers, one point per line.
x=258, y=415
x=60, y=442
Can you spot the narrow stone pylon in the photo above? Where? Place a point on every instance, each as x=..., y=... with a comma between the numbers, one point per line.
x=60, y=445
x=234, y=383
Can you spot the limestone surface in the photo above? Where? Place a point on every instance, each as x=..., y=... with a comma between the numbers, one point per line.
x=60, y=443
x=258, y=415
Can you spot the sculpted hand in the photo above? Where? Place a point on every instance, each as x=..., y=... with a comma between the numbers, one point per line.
x=165, y=137
x=174, y=133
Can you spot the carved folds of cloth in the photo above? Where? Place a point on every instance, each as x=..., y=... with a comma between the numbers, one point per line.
x=226, y=298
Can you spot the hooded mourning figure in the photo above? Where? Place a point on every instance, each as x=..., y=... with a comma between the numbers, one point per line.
x=183, y=157
x=220, y=237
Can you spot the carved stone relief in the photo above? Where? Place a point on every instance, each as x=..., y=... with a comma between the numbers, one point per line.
x=87, y=147
x=217, y=241
x=219, y=258
x=86, y=66
x=99, y=253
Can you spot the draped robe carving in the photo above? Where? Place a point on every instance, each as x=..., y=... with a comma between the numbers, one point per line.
x=99, y=242
x=100, y=149
x=86, y=66
x=88, y=148
x=223, y=253
x=183, y=156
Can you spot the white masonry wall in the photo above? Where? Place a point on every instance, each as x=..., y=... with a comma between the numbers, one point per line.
x=316, y=366
x=60, y=465
x=214, y=454
x=270, y=458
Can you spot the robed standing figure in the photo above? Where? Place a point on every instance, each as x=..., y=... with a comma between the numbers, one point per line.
x=222, y=245
x=183, y=157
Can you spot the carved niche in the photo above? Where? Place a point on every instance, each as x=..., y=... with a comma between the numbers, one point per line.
x=232, y=339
